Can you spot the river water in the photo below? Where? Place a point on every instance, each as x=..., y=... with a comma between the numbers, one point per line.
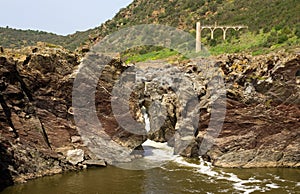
x=164, y=173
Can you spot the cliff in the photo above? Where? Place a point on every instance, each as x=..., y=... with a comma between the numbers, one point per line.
x=261, y=128
x=37, y=134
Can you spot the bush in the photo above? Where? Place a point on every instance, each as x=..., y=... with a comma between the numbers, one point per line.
x=297, y=31
x=282, y=38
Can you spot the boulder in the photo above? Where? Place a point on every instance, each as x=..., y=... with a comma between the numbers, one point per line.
x=75, y=139
x=75, y=156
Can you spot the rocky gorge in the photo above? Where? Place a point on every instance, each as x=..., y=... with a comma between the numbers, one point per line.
x=38, y=134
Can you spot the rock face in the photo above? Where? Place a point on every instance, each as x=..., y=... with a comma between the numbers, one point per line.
x=98, y=122
x=262, y=126
x=35, y=124
x=38, y=135
x=170, y=96
x=261, y=122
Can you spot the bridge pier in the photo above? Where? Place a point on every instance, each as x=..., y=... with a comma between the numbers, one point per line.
x=224, y=33
x=198, y=37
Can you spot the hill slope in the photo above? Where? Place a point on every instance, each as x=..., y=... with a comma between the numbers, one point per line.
x=13, y=38
x=273, y=22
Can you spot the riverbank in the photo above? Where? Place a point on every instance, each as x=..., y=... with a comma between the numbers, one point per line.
x=38, y=135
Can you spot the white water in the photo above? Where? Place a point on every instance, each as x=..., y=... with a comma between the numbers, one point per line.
x=155, y=155
x=245, y=186
x=160, y=153
x=146, y=118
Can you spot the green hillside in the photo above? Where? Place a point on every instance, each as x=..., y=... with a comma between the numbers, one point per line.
x=272, y=23
x=13, y=38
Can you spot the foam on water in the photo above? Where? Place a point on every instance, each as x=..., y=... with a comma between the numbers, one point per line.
x=154, y=155
x=204, y=167
x=238, y=184
x=162, y=153
x=157, y=154
x=158, y=151
x=272, y=185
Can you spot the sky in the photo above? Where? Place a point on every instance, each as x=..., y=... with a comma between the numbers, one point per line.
x=58, y=16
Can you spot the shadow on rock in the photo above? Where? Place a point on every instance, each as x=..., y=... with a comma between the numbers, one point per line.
x=5, y=161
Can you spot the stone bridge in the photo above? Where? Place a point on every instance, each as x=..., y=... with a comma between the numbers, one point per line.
x=212, y=29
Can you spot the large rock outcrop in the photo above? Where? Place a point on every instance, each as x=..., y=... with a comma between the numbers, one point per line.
x=38, y=133
x=36, y=125
x=262, y=126
x=99, y=124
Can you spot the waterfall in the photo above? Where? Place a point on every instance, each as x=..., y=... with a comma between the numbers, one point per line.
x=155, y=154
x=146, y=119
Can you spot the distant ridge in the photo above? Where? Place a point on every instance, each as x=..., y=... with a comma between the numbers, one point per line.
x=16, y=38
